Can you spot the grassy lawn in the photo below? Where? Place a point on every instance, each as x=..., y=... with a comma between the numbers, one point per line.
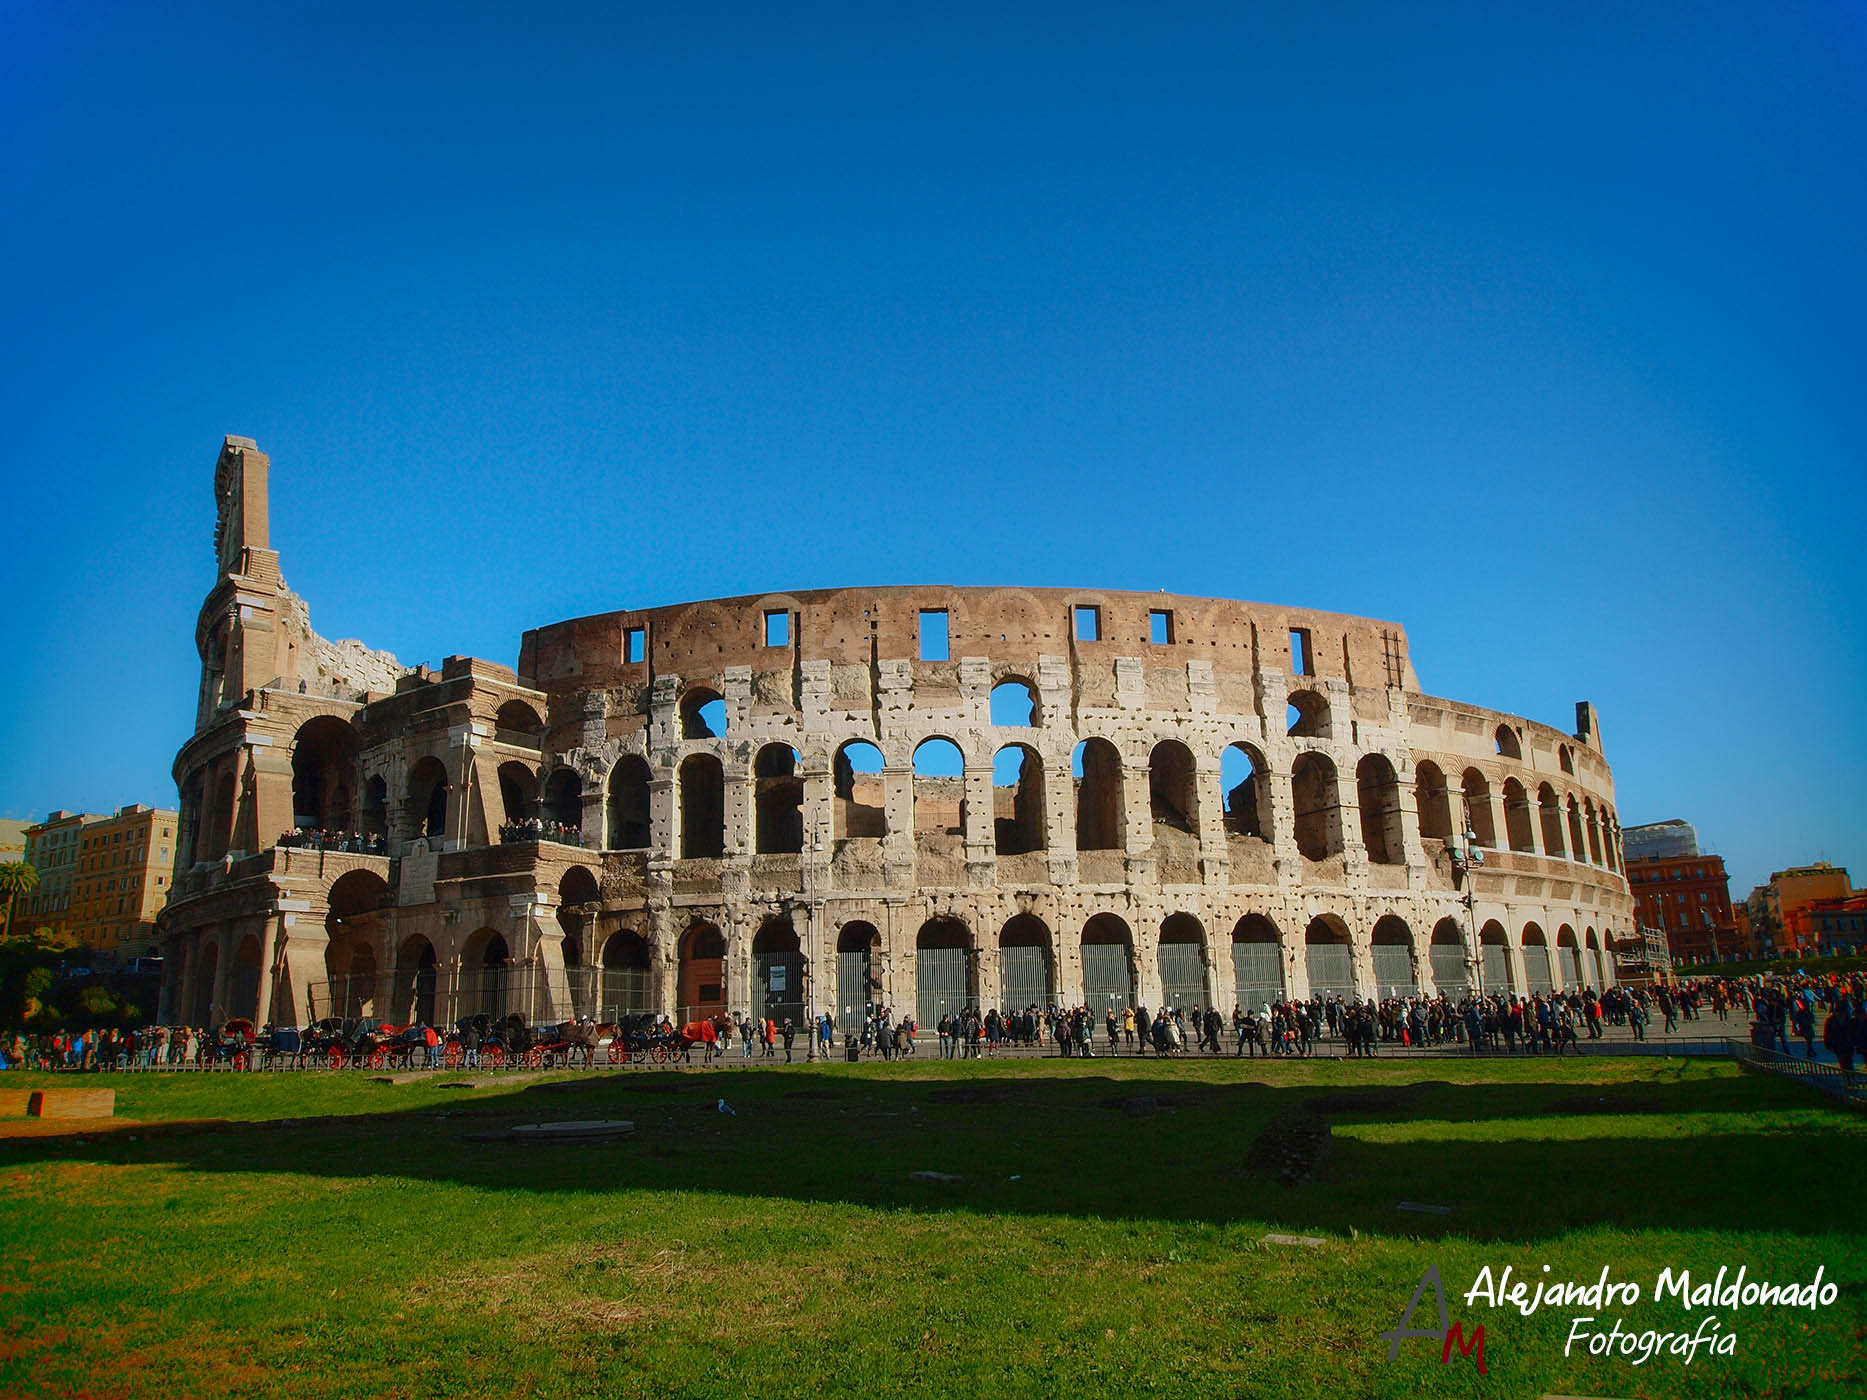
x=339, y=1237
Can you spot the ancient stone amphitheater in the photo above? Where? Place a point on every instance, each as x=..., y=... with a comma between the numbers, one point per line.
x=921, y=797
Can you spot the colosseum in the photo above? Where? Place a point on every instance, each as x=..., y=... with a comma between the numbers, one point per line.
x=918, y=797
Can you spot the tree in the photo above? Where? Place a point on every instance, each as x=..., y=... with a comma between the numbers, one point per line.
x=17, y=877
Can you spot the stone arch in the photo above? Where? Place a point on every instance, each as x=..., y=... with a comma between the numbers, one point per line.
x=1508, y=744
x=703, y=807
x=702, y=976
x=221, y=813
x=1026, y=968
x=519, y=718
x=207, y=968
x=1100, y=817
x=1536, y=968
x=518, y=790
x=1330, y=955
x=324, y=761
x=1244, y=778
x=1549, y=815
x=428, y=787
x=1108, y=964
x=1182, y=959
x=625, y=982
x=778, y=802
x=1173, y=787
x=375, y=815
x=1257, y=962
x=1306, y=715
x=1018, y=813
x=485, y=973
x=1569, y=960
x=1395, y=973
x=703, y=714
x=353, y=926
x=412, y=998
x=778, y=972
x=1596, y=968
x=1013, y=704
x=1494, y=959
x=946, y=974
x=627, y=821
x=1432, y=800
x=243, y=978
x=1451, y=974
x=1578, y=842
x=939, y=790
x=563, y=801
x=861, y=808
x=1594, y=830
x=1378, y=789
x=1478, y=822
x=1517, y=816
x=858, y=985
x=1317, y=805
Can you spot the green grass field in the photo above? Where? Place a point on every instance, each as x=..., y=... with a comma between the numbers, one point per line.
x=339, y=1237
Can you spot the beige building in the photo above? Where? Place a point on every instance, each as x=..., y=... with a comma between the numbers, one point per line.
x=52, y=849
x=923, y=797
x=1777, y=909
x=125, y=865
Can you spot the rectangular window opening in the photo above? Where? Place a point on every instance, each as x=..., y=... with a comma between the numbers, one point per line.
x=934, y=646
x=1302, y=661
x=634, y=644
x=777, y=629
x=1160, y=628
x=1088, y=624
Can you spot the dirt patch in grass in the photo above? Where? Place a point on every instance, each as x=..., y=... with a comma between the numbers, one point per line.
x=1291, y=1147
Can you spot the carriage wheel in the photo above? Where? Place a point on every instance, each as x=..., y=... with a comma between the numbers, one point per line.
x=618, y=1053
x=335, y=1058
x=494, y=1055
x=451, y=1057
x=241, y=1059
x=378, y=1058
x=534, y=1058
x=660, y=1054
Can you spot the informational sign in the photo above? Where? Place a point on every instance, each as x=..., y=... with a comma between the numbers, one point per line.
x=777, y=977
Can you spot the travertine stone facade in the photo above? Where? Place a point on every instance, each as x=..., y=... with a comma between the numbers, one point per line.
x=741, y=775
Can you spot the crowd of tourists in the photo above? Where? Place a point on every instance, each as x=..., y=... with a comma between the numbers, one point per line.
x=356, y=843
x=540, y=829
x=154, y=1047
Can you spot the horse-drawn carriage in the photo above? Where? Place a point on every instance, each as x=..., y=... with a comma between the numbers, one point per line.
x=644, y=1039
x=232, y=1045
x=281, y=1047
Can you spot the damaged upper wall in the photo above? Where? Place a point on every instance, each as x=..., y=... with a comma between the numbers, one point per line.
x=344, y=668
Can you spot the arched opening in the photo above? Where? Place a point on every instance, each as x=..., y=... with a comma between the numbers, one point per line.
x=1331, y=961
x=1568, y=959
x=1494, y=954
x=778, y=801
x=1377, y=789
x=778, y=973
x=353, y=928
x=1096, y=769
x=1594, y=831
x=1108, y=964
x=219, y=823
x=376, y=808
x=413, y=1000
x=624, y=989
x=1566, y=756
x=1433, y=801
x=1577, y=842
x=1173, y=787
x=518, y=791
x=1478, y=809
x=1451, y=974
x=702, y=973
x=939, y=811
x=626, y=817
x=1017, y=800
x=1318, y=808
x=1247, y=792
x=1508, y=745
x=703, y=714
x=564, y=805
x=1394, y=972
x=1610, y=839
x=1549, y=814
x=1013, y=704
x=520, y=720
x=1257, y=962
x=324, y=760
x=1306, y=716
x=1517, y=816
x=1536, y=968
x=427, y=798
x=944, y=974
x=207, y=967
x=703, y=807
x=858, y=988
x=1025, y=975
x=485, y=973
x=861, y=807
x=243, y=978
x=1182, y=951
x=1594, y=965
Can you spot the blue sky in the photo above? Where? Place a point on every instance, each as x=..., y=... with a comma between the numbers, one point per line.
x=1536, y=329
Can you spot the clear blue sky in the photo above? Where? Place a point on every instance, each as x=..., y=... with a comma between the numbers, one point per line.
x=1538, y=330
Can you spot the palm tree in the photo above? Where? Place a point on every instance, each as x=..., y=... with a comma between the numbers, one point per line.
x=16, y=878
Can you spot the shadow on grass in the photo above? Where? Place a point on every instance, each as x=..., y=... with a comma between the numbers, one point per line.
x=1512, y=1161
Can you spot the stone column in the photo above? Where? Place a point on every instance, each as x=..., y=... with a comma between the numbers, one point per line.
x=978, y=826
x=1348, y=813
x=738, y=814
x=1214, y=854
x=898, y=808
x=223, y=964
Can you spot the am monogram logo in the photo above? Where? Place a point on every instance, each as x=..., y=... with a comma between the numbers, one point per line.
x=1449, y=1334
